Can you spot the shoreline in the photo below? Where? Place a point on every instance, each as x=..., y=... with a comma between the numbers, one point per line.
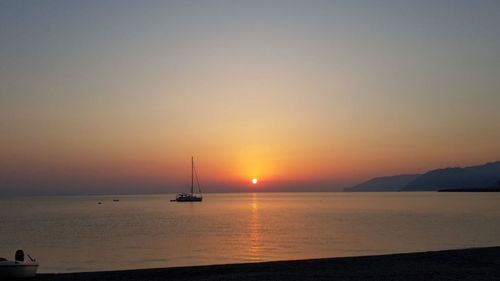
x=463, y=264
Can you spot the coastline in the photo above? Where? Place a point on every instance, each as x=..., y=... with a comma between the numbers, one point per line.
x=464, y=264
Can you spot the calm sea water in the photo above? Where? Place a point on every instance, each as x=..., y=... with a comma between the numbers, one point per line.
x=69, y=234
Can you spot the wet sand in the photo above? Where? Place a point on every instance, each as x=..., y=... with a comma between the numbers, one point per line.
x=468, y=264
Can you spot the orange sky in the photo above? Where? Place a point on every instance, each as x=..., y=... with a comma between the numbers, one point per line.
x=116, y=99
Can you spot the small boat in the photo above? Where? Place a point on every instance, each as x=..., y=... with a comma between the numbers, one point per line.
x=190, y=197
x=22, y=266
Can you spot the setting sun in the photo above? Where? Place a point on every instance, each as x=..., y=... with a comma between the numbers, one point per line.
x=254, y=181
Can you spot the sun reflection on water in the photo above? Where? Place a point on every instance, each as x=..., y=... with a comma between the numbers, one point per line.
x=255, y=243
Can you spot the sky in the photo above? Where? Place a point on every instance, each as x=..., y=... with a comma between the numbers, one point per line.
x=110, y=97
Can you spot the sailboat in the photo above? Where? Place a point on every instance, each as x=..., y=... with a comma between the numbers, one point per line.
x=191, y=197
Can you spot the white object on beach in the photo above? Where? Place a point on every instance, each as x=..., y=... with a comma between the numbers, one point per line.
x=22, y=266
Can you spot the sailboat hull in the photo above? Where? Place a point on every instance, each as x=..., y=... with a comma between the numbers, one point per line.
x=189, y=199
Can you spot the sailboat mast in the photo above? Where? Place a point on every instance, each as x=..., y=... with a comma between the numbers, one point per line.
x=192, y=174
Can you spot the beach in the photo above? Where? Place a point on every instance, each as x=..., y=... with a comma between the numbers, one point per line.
x=466, y=264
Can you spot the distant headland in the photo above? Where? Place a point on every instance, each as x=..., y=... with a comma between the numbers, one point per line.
x=479, y=178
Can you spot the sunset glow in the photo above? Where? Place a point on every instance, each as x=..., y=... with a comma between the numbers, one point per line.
x=250, y=140
x=123, y=98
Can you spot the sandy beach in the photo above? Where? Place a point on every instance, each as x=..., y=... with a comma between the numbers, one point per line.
x=467, y=264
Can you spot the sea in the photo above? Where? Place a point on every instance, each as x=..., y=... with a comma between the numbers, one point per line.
x=76, y=233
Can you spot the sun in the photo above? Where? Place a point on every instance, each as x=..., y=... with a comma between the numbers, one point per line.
x=255, y=181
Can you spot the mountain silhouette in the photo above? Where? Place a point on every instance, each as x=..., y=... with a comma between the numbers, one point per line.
x=482, y=176
x=486, y=176
x=391, y=183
